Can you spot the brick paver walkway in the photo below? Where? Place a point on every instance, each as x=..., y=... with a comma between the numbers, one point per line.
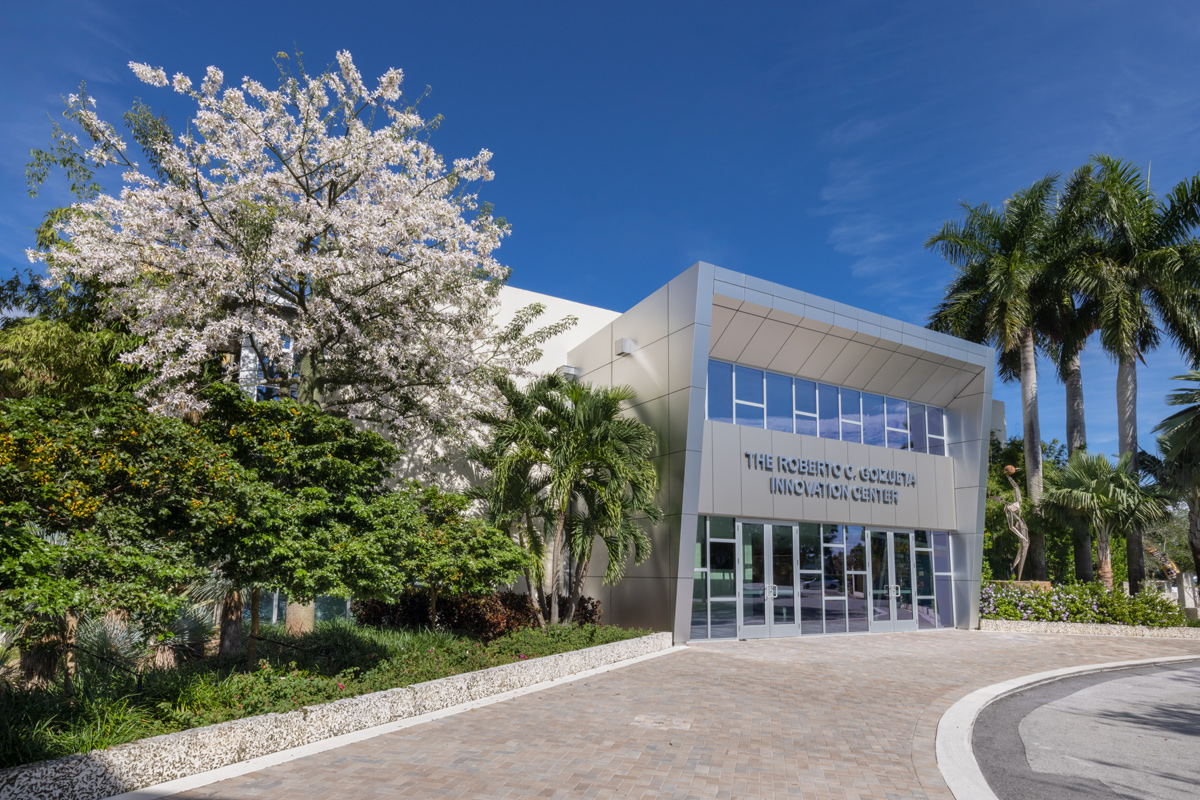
x=849, y=717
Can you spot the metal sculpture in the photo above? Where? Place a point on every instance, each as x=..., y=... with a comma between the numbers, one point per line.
x=1016, y=523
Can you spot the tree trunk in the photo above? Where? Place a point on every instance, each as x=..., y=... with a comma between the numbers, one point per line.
x=1104, y=557
x=1033, y=450
x=1194, y=527
x=556, y=565
x=301, y=618
x=1127, y=437
x=577, y=587
x=252, y=645
x=231, y=624
x=70, y=662
x=535, y=600
x=1076, y=422
x=1081, y=535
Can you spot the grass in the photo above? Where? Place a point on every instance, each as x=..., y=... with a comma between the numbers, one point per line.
x=336, y=660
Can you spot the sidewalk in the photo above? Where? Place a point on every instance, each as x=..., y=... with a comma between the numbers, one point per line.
x=850, y=717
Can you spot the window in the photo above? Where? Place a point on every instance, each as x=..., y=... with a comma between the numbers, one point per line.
x=760, y=399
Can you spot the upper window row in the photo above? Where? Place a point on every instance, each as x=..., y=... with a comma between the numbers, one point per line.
x=760, y=399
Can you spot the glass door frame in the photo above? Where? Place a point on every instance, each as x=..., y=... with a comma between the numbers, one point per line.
x=770, y=627
x=893, y=587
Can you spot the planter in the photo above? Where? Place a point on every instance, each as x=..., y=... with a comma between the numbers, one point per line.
x=1087, y=629
x=158, y=759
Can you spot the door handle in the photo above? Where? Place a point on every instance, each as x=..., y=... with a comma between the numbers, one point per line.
x=896, y=590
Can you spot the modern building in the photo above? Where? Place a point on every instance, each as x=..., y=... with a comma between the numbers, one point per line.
x=823, y=468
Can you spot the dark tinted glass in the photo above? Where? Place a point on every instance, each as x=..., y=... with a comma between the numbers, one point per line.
x=873, y=427
x=810, y=545
x=827, y=411
x=937, y=426
x=720, y=391
x=916, y=426
x=749, y=384
x=779, y=403
x=806, y=396
x=941, y=551
x=722, y=575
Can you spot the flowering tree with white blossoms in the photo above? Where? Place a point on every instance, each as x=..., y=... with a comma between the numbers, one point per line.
x=314, y=228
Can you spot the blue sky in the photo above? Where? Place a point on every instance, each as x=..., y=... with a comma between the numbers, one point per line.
x=817, y=145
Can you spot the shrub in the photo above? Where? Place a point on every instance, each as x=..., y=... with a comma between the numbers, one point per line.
x=485, y=617
x=1079, y=602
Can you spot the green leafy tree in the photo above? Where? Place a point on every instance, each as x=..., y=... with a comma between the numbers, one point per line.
x=1000, y=256
x=449, y=553
x=1145, y=283
x=594, y=465
x=101, y=509
x=1000, y=545
x=1111, y=496
x=317, y=533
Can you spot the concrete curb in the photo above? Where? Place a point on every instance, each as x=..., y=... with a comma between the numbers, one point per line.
x=1086, y=629
x=955, y=756
x=167, y=759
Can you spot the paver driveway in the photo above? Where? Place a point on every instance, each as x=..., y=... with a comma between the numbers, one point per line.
x=834, y=717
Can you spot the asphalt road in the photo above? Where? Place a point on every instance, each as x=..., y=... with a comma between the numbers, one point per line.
x=1126, y=734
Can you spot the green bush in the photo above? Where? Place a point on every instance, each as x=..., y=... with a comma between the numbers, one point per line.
x=1078, y=602
x=336, y=660
x=485, y=617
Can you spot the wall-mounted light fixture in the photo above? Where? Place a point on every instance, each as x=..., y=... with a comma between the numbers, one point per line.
x=623, y=347
x=570, y=373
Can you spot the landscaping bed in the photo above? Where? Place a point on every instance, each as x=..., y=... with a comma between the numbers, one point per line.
x=1081, y=603
x=338, y=660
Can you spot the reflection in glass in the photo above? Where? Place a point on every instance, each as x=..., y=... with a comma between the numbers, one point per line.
x=873, y=425
x=851, y=432
x=810, y=603
x=779, y=403
x=835, y=571
x=721, y=528
x=722, y=575
x=810, y=546
x=832, y=534
x=937, y=447
x=806, y=426
x=754, y=579
x=856, y=549
x=926, y=614
x=699, y=605
x=827, y=411
x=916, y=417
x=897, y=421
x=835, y=616
x=924, y=573
x=749, y=385
x=902, y=573
x=720, y=391
x=856, y=605
x=701, y=544
x=945, y=602
x=881, y=590
x=806, y=397
x=784, y=604
x=922, y=538
x=749, y=415
x=850, y=406
x=936, y=425
x=724, y=620
x=941, y=551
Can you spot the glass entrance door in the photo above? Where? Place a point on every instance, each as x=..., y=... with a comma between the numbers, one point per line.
x=766, y=585
x=891, y=570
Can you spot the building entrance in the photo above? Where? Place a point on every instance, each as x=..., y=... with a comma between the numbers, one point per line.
x=891, y=564
x=767, y=580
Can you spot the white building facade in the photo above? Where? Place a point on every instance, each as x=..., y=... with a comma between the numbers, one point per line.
x=823, y=468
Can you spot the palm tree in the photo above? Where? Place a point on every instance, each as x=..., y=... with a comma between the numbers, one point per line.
x=572, y=444
x=1000, y=256
x=1145, y=282
x=1111, y=496
x=1179, y=444
x=515, y=484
